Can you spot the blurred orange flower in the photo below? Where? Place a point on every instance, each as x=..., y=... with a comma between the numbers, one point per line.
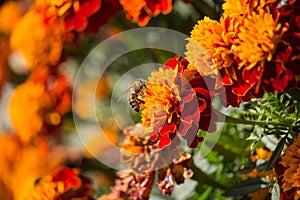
x=260, y=154
x=44, y=100
x=21, y=165
x=141, y=11
x=10, y=14
x=63, y=183
x=42, y=46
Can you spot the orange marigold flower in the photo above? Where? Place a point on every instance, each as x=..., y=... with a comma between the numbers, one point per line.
x=21, y=165
x=44, y=99
x=290, y=161
x=170, y=102
x=10, y=14
x=209, y=51
x=42, y=46
x=141, y=11
x=258, y=39
x=65, y=183
x=216, y=38
x=28, y=108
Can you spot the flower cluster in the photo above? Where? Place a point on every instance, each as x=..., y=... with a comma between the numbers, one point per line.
x=253, y=48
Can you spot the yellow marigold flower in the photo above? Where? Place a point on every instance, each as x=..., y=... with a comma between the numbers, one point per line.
x=216, y=38
x=291, y=161
x=10, y=13
x=43, y=46
x=28, y=107
x=260, y=154
x=258, y=39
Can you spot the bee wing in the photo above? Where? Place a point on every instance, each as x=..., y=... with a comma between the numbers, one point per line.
x=124, y=93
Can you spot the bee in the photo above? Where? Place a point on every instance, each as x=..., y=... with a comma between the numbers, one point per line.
x=134, y=94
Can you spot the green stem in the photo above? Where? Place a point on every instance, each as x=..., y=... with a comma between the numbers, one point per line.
x=230, y=119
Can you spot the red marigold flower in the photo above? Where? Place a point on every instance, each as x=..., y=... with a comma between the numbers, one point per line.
x=107, y=10
x=74, y=13
x=141, y=11
x=170, y=102
x=64, y=183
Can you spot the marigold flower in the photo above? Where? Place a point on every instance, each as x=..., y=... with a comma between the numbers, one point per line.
x=42, y=46
x=290, y=162
x=10, y=13
x=64, y=183
x=258, y=39
x=170, y=101
x=260, y=27
x=141, y=11
x=74, y=13
x=27, y=115
x=138, y=150
x=21, y=165
x=216, y=38
x=44, y=99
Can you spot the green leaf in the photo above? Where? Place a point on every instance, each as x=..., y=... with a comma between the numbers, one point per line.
x=244, y=187
x=276, y=153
